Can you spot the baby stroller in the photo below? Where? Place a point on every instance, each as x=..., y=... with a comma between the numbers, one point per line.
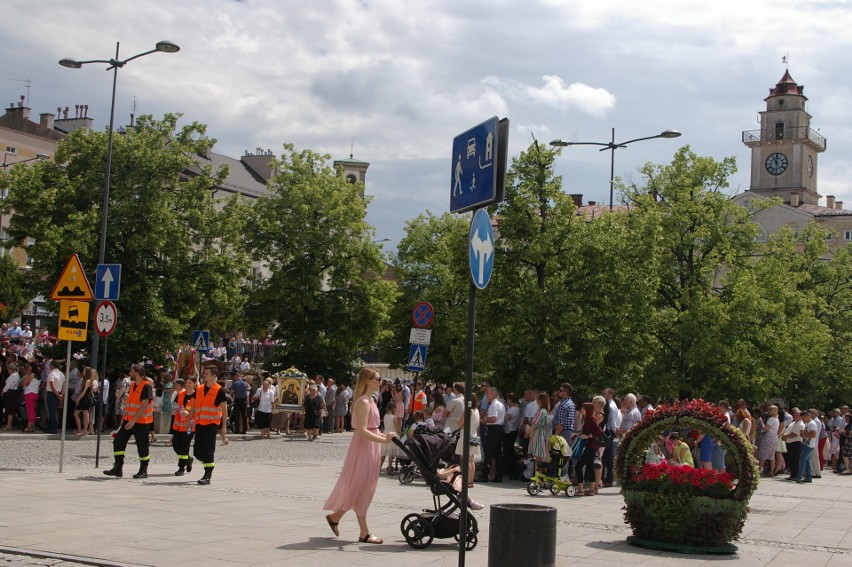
x=408, y=470
x=426, y=449
x=549, y=474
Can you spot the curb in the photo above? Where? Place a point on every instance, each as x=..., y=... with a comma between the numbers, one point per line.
x=64, y=557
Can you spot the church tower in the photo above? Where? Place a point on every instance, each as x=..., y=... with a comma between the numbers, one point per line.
x=784, y=151
x=353, y=170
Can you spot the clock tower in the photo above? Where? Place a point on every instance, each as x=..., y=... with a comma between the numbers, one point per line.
x=784, y=151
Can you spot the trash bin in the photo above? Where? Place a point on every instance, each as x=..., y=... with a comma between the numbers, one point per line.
x=522, y=534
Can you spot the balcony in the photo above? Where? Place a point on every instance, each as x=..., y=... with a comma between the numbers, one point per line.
x=800, y=134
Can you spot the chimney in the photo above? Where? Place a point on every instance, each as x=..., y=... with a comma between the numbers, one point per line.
x=794, y=199
x=46, y=122
x=838, y=205
x=23, y=98
x=829, y=201
x=592, y=203
x=577, y=198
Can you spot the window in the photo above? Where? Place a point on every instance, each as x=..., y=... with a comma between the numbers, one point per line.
x=847, y=235
x=30, y=242
x=11, y=150
x=4, y=236
x=4, y=192
x=779, y=130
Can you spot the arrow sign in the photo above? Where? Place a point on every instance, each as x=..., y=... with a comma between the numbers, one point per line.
x=108, y=282
x=106, y=317
x=481, y=249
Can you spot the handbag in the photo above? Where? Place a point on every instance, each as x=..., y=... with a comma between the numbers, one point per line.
x=606, y=438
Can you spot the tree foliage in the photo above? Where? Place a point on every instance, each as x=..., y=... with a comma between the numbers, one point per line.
x=323, y=289
x=181, y=255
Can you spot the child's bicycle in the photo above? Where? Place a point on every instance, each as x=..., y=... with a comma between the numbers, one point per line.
x=547, y=475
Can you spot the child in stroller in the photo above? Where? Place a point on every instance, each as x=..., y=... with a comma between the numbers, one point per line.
x=549, y=473
x=427, y=448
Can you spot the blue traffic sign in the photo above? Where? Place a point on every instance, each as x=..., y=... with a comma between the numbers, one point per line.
x=481, y=249
x=478, y=173
x=201, y=341
x=108, y=282
x=417, y=358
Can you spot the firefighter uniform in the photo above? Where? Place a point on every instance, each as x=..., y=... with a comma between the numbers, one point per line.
x=140, y=396
x=208, y=420
x=184, y=429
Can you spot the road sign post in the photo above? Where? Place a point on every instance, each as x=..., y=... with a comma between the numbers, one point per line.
x=477, y=179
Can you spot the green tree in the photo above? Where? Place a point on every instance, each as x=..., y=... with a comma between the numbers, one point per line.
x=182, y=265
x=323, y=289
x=13, y=293
x=432, y=265
x=569, y=296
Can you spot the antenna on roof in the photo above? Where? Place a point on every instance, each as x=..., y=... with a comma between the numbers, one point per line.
x=27, y=82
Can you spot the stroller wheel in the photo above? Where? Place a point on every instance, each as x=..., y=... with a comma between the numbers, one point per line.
x=571, y=490
x=470, y=542
x=419, y=533
x=406, y=476
x=406, y=521
x=533, y=488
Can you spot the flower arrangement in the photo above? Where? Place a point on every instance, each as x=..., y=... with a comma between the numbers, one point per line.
x=676, y=480
x=682, y=505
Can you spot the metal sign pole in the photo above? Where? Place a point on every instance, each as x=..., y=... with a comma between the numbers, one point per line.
x=468, y=389
x=65, y=405
x=99, y=408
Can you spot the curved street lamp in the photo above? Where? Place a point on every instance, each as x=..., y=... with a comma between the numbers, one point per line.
x=7, y=154
x=612, y=146
x=113, y=65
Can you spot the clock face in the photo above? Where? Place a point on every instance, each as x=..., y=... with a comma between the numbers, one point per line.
x=776, y=163
x=810, y=166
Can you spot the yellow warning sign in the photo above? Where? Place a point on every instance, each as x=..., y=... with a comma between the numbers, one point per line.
x=72, y=284
x=73, y=320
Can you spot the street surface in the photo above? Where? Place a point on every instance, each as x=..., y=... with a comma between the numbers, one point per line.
x=265, y=508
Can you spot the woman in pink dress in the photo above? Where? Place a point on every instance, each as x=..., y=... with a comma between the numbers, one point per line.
x=357, y=483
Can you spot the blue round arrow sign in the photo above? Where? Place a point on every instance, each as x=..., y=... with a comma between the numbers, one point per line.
x=481, y=249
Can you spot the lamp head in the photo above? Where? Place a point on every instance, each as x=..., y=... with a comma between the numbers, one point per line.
x=560, y=143
x=42, y=156
x=167, y=47
x=70, y=63
x=669, y=134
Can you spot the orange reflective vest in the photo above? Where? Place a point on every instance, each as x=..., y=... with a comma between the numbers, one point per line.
x=418, y=402
x=205, y=400
x=182, y=421
x=134, y=402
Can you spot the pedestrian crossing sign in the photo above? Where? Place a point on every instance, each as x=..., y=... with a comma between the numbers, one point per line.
x=417, y=358
x=201, y=341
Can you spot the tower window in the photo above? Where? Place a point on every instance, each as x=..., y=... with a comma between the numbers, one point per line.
x=847, y=235
x=779, y=130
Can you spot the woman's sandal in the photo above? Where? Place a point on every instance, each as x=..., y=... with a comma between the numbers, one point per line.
x=370, y=538
x=333, y=526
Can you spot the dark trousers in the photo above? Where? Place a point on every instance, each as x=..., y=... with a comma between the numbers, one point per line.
x=139, y=432
x=180, y=443
x=608, y=461
x=205, y=444
x=240, y=407
x=794, y=452
x=493, y=450
x=585, y=468
x=52, y=415
x=509, y=461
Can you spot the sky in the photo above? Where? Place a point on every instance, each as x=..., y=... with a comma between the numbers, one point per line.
x=394, y=81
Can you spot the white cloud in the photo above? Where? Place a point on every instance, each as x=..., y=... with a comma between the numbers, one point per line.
x=555, y=93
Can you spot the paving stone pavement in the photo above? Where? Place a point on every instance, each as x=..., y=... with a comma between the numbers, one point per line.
x=265, y=508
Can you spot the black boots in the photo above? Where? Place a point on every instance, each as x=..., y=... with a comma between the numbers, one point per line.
x=117, y=468
x=184, y=463
x=143, y=470
x=205, y=480
x=189, y=465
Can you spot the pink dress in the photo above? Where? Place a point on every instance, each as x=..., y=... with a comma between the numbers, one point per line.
x=400, y=407
x=360, y=475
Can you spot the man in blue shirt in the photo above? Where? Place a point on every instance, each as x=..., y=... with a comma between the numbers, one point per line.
x=239, y=389
x=564, y=414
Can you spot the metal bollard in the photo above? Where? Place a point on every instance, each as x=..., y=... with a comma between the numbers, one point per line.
x=522, y=534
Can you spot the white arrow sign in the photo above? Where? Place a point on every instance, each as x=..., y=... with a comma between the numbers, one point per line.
x=107, y=279
x=483, y=249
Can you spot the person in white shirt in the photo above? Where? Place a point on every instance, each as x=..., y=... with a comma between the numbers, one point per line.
x=494, y=420
x=455, y=409
x=816, y=470
x=266, y=399
x=612, y=424
x=510, y=434
x=55, y=395
x=809, y=442
x=10, y=395
x=793, y=438
x=529, y=413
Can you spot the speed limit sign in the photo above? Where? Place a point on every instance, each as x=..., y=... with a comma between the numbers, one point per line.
x=105, y=318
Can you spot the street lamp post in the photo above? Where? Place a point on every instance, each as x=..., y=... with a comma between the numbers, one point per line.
x=10, y=164
x=114, y=65
x=612, y=146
